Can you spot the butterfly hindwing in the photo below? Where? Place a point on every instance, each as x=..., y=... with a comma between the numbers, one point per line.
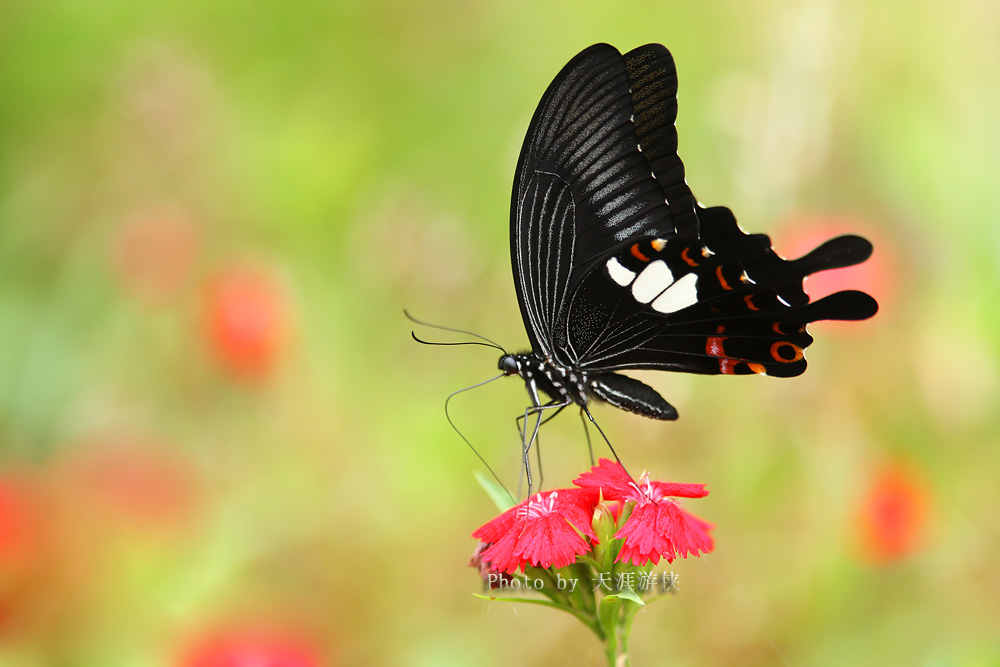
x=721, y=233
x=672, y=304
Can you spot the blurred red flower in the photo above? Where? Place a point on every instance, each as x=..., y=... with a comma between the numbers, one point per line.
x=249, y=648
x=134, y=477
x=25, y=549
x=247, y=318
x=154, y=253
x=892, y=517
x=20, y=519
x=877, y=275
x=657, y=527
x=542, y=531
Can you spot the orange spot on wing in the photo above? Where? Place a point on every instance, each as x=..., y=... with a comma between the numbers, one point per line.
x=722, y=279
x=688, y=260
x=748, y=300
x=777, y=328
x=638, y=254
x=776, y=354
x=658, y=244
x=757, y=368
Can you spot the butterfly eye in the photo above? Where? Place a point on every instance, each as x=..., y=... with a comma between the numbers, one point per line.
x=509, y=365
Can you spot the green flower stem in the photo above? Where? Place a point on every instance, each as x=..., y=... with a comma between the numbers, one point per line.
x=585, y=590
x=551, y=588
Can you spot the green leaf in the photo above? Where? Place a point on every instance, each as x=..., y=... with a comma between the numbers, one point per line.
x=499, y=495
x=627, y=594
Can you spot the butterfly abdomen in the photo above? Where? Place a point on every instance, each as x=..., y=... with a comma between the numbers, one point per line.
x=629, y=394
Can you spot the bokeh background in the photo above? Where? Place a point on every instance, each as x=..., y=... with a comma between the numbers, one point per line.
x=220, y=446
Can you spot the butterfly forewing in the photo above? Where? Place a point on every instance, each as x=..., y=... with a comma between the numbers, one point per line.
x=581, y=142
x=653, y=84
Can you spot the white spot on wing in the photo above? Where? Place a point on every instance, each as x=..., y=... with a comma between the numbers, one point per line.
x=619, y=273
x=680, y=295
x=654, y=279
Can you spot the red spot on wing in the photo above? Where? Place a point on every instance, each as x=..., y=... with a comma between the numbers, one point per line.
x=688, y=260
x=748, y=300
x=714, y=347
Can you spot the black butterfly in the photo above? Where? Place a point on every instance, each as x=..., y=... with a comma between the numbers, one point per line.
x=618, y=267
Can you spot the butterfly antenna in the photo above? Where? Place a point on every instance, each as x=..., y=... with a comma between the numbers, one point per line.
x=466, y=440
x=488, y=342
x=464, y=342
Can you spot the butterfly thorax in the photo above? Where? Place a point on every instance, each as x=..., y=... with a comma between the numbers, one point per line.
x=561, y=383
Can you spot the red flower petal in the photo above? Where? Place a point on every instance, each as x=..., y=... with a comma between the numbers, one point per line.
x=493, y=530
x=548, y=541
x=544, y=531
x=609, y=479
x=662, y=529
x=677, y=490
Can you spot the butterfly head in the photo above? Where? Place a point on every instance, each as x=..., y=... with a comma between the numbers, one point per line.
x=509, y=364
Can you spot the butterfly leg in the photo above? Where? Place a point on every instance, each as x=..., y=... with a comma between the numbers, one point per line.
x=586, y=432
x=536, y=411
x=538, y=449
x=601, y=431
x=553, y=404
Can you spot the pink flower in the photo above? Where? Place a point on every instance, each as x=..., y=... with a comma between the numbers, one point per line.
x=657, y=527
x=546, y=530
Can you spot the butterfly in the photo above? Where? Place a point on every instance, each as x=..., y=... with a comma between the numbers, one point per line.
x=618, y=267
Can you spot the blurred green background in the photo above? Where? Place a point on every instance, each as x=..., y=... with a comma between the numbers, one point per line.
x=218, y=442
